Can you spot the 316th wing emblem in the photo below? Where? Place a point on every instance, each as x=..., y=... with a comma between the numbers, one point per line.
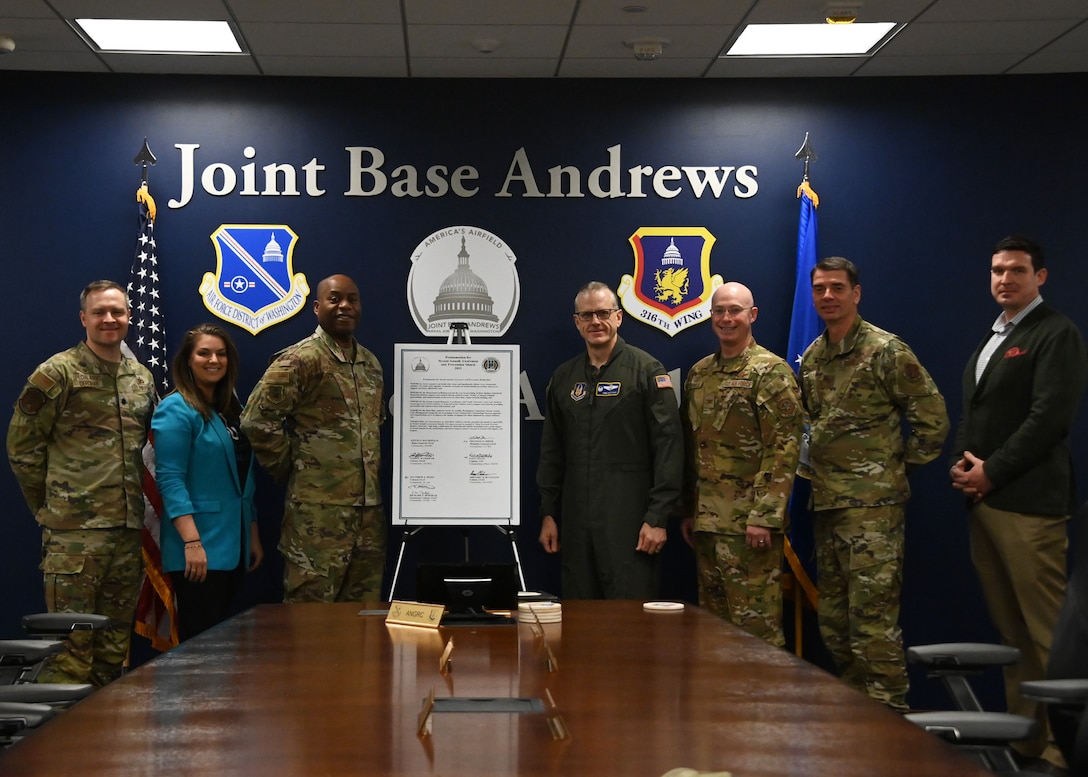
x=671, y=285
x=254, y=285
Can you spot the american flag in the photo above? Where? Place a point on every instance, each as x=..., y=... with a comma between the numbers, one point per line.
x=147, y=329
x=155, y=613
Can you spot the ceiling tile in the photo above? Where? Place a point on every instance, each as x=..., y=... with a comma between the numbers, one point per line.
x=662, y=12
x=748, y=67
x=528, y=12
x=688, y=42
x=483, y=68
x=346, y=67
x=455, y=40
x=332, y=40
x=984, y=38
x=328, y=11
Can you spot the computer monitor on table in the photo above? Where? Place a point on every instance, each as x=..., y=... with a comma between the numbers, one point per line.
x=471, y=593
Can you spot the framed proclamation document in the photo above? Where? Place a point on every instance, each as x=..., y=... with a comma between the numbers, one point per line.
x=456, y=435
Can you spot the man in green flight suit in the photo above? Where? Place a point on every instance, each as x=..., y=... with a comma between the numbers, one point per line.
x=860, y=384
x=314, y=420
x=75, y=445
x=611, y=459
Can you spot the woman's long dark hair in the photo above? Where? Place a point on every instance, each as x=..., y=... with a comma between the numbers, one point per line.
x=224, y=400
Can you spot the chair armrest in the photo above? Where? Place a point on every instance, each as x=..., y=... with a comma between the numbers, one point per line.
x=27, y=652
x=995, y=729
x=1071, y=692
x=14, y=717
x=45, y=693
x=963, y=656
x=60, y=623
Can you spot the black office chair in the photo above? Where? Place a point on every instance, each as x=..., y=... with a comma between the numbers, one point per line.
x=21, y=660
x=17, y=720
x=988, y=734
x=1066, y=701
x=985, y=735
x=1065, y=692
x=1067, y=667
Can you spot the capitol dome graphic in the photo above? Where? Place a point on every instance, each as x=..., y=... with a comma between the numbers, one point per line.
x=272, y=251
x=463, y=295
x=672, y=254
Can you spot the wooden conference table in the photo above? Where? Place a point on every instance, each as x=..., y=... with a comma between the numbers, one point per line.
x=319, y=689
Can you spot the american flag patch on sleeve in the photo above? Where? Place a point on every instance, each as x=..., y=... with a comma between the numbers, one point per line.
x=663, y=381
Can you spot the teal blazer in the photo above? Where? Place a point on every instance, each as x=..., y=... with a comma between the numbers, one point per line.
x=197, y=474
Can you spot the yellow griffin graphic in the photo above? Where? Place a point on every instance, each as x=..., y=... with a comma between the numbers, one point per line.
x=672, y=285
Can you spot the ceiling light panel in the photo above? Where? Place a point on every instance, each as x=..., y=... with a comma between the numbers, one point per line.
x=159, y=36
x=811, y=40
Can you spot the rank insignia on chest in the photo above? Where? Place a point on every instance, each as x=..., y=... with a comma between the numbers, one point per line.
x=578, y=393
x=609, y=389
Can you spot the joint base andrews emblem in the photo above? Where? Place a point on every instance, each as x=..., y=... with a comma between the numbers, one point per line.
x=463, y=275
x=254, y=285
x=671, y=285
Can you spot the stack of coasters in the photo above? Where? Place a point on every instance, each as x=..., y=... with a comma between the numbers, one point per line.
x=546, y=612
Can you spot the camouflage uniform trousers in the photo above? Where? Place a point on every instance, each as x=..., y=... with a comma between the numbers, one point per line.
x=92, y=571
x=742, y=585
x=859, y=558
x=332, y=553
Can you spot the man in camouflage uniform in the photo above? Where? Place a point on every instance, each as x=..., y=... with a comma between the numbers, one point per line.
x=742, y=432
x=611, y=459
x=859, y=384
x=75, y=444
x=314, y=420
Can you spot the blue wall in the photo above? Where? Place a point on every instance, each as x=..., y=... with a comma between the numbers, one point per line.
x=917, y=179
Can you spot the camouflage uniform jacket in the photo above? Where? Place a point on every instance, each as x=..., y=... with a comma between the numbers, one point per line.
x=742, y=427
x=76, y=439
x=314, y=420
x=857, y=394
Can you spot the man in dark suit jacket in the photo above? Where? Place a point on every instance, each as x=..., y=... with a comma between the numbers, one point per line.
x=1021, y=390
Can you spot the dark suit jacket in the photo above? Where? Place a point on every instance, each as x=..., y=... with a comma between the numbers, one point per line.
x=1019, y=415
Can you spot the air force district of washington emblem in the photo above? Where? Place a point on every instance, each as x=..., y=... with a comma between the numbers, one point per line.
x=463, y=275
x=253, y=285
x=672, y=285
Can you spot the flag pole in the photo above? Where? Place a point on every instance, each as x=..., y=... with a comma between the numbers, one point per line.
x=805, y=326
x=146, y=342
x=145, y=157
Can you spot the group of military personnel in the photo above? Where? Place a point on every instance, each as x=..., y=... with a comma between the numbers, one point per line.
x=618, y=460
x=76, y=440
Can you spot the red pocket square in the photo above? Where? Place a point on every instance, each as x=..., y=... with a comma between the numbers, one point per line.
x=1014, y=352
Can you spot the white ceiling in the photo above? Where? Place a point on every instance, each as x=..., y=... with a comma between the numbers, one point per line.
x=557, y=38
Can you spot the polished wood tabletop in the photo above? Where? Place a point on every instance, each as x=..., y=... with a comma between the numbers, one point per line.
x=331, y=689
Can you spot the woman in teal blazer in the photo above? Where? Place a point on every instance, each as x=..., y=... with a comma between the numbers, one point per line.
x=204, y=470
